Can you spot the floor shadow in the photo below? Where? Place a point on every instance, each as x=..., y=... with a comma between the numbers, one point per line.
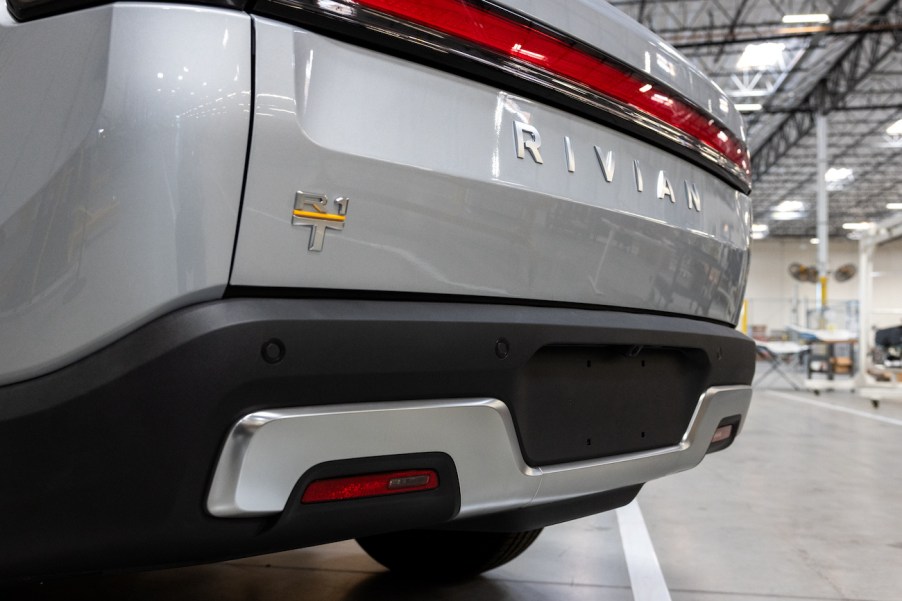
x=235, y=581
x=389, y=587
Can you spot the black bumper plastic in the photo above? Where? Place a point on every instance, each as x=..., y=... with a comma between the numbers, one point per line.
x=106, y=463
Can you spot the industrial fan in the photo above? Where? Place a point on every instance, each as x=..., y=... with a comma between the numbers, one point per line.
x=809, y=273
x=845, y=273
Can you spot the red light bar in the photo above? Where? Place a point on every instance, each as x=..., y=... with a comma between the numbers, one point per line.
x=521, y=42
x=370, y=485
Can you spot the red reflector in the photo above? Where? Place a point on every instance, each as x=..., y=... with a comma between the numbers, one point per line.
x=722, y=433
x=370, y=485
x=555, y=55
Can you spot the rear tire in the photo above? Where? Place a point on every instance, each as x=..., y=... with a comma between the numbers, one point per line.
x=446, y=554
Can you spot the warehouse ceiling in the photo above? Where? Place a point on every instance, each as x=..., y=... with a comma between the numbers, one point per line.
x=840, y=57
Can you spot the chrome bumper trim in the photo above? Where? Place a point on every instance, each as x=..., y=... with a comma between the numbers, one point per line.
x=267, y=451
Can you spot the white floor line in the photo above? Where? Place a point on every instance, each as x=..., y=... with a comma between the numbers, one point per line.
x=646, y=578
x=839, y=408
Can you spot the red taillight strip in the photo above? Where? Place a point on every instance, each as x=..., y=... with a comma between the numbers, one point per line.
x=518, y=41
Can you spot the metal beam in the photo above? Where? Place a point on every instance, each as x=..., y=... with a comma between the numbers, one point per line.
x=732, y=31
x=799, y=64
x=781, y=33
x=875, y=166
x=842, y=109
x=832, y=91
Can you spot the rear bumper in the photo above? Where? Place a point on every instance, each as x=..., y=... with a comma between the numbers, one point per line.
x=266, y=453
x=127, y=457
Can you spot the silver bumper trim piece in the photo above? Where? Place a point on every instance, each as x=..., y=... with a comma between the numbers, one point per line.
x=266, y=452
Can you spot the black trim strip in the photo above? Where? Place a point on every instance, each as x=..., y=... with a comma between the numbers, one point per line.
x=28, y=10
x=252, y=110
x=421, y=297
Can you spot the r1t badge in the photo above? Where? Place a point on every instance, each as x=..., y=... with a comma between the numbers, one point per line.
x=312, y=210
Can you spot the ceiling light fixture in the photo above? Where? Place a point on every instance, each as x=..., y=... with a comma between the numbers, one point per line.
x=786, y=215
x=748, y=107
x=815, y=241
x=857, y=226
x=837, y=174
x=788, y=210
x=809, y=18
x=894, y=206
x=838, y=178
x=761, y=56
x=790, y=205
x=895, y=129
x=760, y=231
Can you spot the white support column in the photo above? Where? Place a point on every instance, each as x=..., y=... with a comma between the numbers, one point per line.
x=867, y=386
x=823, y=215
x=866, y=248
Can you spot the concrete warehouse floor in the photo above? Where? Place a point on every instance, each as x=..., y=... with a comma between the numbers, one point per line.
x=807, y=505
